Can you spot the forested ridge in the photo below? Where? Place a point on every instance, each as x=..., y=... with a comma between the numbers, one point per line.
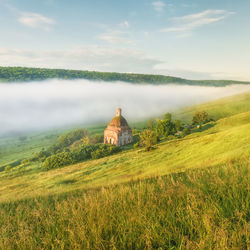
x=23, y=74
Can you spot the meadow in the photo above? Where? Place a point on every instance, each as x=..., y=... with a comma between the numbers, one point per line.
x=188, y=193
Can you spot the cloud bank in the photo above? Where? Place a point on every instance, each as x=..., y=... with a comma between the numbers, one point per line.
x=53, y=104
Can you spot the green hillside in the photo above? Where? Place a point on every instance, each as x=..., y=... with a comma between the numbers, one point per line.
x=225, y=107
x=22, y=74
x=187, y=193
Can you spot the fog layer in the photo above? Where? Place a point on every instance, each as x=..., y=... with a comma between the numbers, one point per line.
x=57, y=103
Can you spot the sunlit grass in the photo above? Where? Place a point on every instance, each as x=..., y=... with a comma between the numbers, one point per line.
x=196, y=209
x=188, y=193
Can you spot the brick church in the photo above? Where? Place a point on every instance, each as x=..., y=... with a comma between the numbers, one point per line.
x=118, y=132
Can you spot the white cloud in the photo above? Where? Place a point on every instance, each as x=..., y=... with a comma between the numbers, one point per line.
x=158, y=6
x=86, y=58
x=186, y=24
x=36, y=20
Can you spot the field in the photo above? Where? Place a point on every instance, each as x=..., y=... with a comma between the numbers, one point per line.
x=187, y=193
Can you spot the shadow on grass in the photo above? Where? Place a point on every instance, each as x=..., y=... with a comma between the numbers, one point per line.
x=11, y=165
x=66, y=182
x=204, y=127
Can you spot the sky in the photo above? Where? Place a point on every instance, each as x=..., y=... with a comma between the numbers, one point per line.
x=194, y=39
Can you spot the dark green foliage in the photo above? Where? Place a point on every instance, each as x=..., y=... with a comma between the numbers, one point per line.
x=59, y=160
x=165, y=127
x=200, y=118
x=148, y=139
x=21, y=74
x=186, y=131
x=177, y=124
x=104, y=150
x=82, y=153
x=40, y=156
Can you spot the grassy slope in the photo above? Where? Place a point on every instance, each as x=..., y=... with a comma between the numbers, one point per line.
x=13, y=150
x=202, y=204
x=225, y=107
x=197, y=209
x=227, y=140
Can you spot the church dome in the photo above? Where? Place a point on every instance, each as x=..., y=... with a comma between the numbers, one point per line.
x=118, y=120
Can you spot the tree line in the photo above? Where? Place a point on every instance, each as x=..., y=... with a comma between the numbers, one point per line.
x=24, y=74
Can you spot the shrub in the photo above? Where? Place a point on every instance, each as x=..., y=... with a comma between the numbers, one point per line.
x=165, y=127
x=58, y=160
x=200, y=118
x=104, y=150
x=82, y=153
x=148, y=138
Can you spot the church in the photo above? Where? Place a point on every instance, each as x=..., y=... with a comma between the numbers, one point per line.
x=118, y=132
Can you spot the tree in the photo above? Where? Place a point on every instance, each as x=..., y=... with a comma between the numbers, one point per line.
x=148, y=139
x=165, y=127
x=200, y=118
x=151, y=124
x=177, y=124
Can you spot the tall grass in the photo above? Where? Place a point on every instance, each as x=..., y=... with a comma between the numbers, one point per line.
x=111, y=203
x=196, y=209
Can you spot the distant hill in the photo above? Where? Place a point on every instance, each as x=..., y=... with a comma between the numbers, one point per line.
x=23, y=74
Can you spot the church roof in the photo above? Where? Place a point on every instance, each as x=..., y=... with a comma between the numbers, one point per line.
x=118, y=121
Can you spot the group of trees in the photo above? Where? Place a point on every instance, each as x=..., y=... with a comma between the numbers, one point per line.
x=200, y=118
x=19, y=74
x=161, y=128
x=82, y=153
x=72, y=147
x=165, y=128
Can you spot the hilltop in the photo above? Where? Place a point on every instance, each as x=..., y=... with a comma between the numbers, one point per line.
x=23, y=74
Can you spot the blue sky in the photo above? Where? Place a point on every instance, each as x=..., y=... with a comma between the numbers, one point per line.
x=196, y=39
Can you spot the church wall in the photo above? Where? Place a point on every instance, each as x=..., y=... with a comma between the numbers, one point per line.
x=125, y=137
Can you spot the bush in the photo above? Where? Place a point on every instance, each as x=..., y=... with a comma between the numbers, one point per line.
x=166, y=127
x=104, y=150
x=200, y=118
x=58, y=160
x=148, y=138
x=80, y=154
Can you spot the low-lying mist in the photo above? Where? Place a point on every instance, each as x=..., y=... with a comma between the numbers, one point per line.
x=58, y=103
